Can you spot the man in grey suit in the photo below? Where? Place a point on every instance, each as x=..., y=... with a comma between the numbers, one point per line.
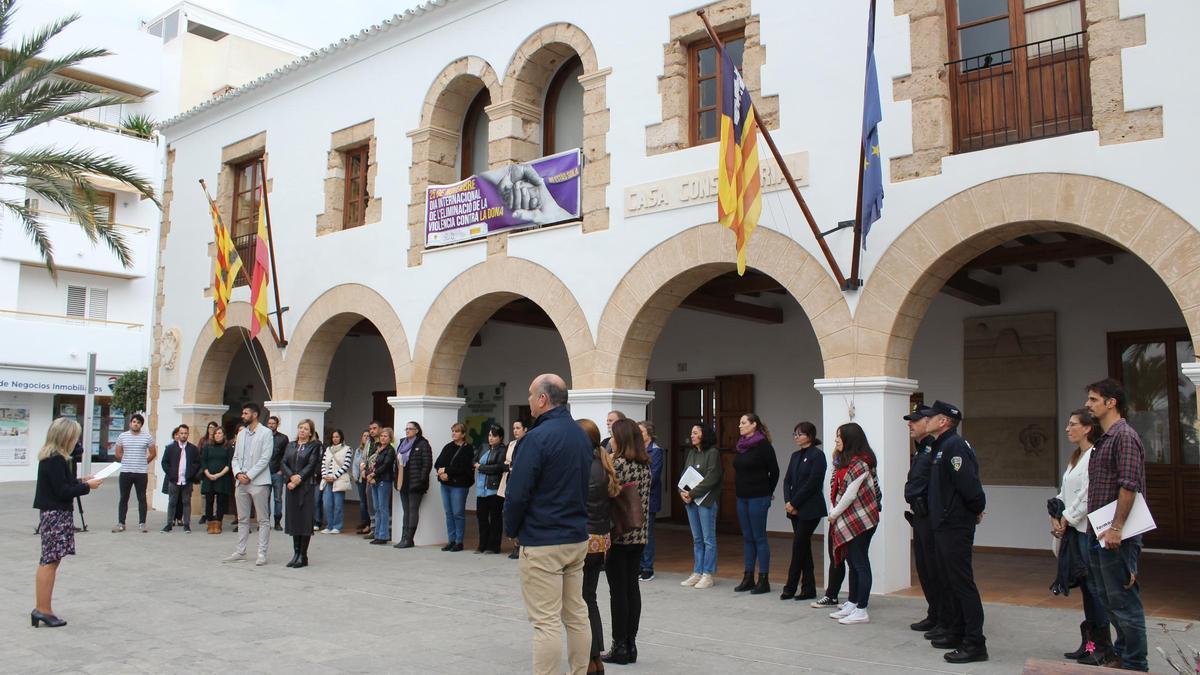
x=250, y=470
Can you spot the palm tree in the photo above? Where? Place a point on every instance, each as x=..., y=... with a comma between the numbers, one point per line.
x=34, y=91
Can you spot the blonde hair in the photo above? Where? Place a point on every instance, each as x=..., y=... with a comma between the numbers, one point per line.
x=390, y=432
x=312, y=427
x=60, y=438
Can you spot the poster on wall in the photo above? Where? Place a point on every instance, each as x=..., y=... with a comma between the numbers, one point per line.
x=528, y=194
x=484, y=407
x=14, y=436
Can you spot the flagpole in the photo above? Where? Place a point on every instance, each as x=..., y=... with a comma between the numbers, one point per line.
x=855, y=281
x=787, y=174
x=271, y=246
x=242, y=268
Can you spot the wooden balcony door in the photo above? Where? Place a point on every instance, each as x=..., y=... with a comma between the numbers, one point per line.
x=1162, y=408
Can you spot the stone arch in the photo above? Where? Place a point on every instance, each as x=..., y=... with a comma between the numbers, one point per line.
x=435, y=143
x=469, y=300
x=654, y=287
x=212, y=356
x=319, y=332
x=915, y=267
x=519, y=110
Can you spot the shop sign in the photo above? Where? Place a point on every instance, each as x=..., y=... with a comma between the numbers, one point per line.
x=54, y=382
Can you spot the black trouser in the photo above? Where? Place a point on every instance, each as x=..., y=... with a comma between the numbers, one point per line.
x=926, y=557
x=214, y=506
x=490, y=513
x=801, y=570
x=837, y=573
x=410, y=502
x=179, y=501
x=126, y=482
x=593, y=565
x=961, y=603
x=859, y=561
x=624, y=593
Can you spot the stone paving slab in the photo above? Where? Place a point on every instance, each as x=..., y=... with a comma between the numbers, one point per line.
x=160, y=603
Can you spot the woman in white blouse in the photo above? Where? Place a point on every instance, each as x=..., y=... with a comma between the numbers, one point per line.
x=1083, y=431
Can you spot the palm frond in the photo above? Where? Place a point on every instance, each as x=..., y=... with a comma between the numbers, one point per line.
x=80, y=201
x=74, y=164
x=28, y=52
x=33, y=227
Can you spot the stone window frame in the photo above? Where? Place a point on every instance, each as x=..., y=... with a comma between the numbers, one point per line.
x=340, y=142
x=232, y=155
x=673, y=133
x=927, y=87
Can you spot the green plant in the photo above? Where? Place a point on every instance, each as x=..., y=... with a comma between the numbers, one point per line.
x=142, y=125
x=129, y=391
x=35, y=89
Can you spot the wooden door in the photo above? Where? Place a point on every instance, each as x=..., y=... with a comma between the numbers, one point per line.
x=735, y=397
x=692, y=403
x=382, y=410
x=1162, y=408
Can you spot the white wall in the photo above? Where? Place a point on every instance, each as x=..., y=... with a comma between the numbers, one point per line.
x=1136, y=300
x=513, y=355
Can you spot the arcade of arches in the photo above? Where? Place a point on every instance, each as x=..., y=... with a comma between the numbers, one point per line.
x=679, y=329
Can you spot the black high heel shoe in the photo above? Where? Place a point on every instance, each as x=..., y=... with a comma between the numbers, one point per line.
x=50, y=620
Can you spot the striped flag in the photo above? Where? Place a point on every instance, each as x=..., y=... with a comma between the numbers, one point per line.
x=226, y=266
x=739, y=201
x=258, y=280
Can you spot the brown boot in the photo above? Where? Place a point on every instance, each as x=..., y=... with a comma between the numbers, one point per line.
x=212, y=527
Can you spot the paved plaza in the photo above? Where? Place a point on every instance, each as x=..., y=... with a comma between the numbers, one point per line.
x=162, y=603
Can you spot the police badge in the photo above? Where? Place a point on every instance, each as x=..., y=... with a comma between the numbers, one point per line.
x=956, y=462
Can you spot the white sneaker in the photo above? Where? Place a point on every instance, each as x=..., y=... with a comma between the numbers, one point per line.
x=706, y=581
x=325, y=531
x=262, y=560
x=855, y=616
x=333, y=531
x=236, y=557
x=690, y=581
x=844, y=612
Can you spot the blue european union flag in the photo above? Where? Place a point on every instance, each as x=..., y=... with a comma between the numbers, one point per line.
x=872, y=180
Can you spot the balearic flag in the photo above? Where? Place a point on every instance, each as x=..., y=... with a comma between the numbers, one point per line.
x=226, y=266
x=739, y=200
x=258, y=280
x=872, y=176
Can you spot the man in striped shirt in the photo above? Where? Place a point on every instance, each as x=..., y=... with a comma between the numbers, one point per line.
x=135, y=449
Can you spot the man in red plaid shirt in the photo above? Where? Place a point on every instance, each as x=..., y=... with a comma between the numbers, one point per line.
x=1116, y=472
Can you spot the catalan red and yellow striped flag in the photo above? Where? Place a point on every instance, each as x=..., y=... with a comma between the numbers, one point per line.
x=739, y=201
x=226, y=266
x=258, y=279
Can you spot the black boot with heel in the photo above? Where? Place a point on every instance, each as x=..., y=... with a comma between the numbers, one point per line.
x=1082, y=651
x=747, y=582
x=618, y=654
x=763, y=586
x=303, y=559
x=295, y=552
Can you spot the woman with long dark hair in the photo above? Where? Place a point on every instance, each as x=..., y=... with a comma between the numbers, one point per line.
x=489, y=506
x=57, y=489
x=805, y=506
x=335, y=481
x=756, y=473
x=700, y=500
x=602, y=488
x=632, y=465
x=301, y=466
x=414, y=465
x=1083, y=431
x=853, y=521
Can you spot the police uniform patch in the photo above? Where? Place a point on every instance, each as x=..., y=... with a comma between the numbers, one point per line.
x=956, y=463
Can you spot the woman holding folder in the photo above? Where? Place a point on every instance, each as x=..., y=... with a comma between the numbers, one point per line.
x=699, y=489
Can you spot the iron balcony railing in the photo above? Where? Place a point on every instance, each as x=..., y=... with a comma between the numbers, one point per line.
x=1031, y=91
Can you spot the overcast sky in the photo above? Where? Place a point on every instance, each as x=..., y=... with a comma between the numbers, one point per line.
x=314, y=23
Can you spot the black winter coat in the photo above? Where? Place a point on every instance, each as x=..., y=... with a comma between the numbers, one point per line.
x=416, y=471
x=495, y=467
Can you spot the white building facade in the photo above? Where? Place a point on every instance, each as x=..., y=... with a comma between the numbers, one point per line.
x=1036, y=235
x=97, y=305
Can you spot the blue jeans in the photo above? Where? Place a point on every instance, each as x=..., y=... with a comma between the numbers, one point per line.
x=365, y=514
x=319, y=519
x=647, y=563
x=703, y=520
x=1109, y=570
x=454, y=502
x=277, y=481
x=752, y=516
x=381, y=492
x=1093, y=610
x=335, y=508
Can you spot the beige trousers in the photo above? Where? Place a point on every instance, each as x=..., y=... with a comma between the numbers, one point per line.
x=552, y=585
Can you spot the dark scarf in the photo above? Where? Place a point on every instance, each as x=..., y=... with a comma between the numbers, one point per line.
x=744, y=443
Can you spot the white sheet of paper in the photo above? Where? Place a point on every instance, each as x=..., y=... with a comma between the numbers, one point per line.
x=1139, y=521
x=690, y=478
x=108, y=470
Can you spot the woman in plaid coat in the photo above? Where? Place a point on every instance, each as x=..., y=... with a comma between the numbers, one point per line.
x=853, y=520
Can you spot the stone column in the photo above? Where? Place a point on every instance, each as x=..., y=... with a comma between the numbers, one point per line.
x=595, y=404
x=291, y=412
x=196, y=416
x=878, y=404
x=515, y=132
x=435, y=414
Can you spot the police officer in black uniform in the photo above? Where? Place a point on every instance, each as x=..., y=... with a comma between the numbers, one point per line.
x=916, y=493
x=956, y=503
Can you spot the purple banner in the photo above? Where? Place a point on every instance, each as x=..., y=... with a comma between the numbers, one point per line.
x=540, y=192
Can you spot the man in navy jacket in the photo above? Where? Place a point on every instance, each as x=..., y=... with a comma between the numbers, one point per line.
x=545, y=510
